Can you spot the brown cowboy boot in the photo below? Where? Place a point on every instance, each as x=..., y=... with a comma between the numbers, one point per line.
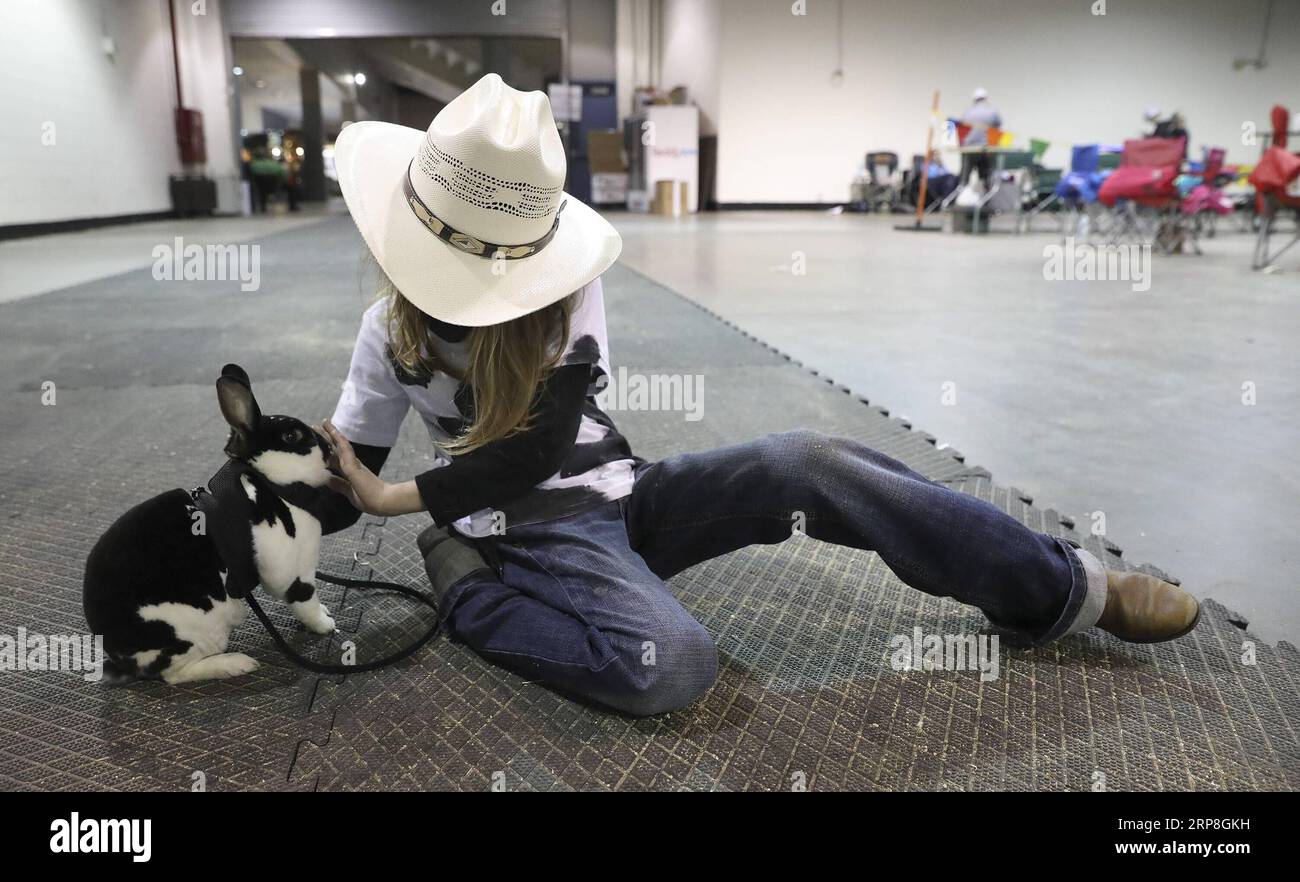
x=1145, y=609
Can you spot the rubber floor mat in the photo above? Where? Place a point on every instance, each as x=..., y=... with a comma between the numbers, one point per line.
x=62, y=732
x=806, y=696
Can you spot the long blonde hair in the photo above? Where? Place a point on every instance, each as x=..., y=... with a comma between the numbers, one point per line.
x=507, y=362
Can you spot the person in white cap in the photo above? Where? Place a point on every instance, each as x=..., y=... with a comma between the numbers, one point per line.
x=981, y=116
x=550, y=540
x=1150, y=116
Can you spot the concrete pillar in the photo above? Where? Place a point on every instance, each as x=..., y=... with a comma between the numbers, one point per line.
x=636, y=48
x=313, y=136
x=496, y=57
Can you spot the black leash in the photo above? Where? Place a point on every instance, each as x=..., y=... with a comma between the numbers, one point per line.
x=228, y=513
x=322, y=668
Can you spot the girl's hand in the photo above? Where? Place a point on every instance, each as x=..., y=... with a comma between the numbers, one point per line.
x=362, y=487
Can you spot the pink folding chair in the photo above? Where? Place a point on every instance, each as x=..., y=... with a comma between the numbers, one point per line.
x=1206, y=200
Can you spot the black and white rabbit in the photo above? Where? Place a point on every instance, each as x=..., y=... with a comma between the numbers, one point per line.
x=156, y=585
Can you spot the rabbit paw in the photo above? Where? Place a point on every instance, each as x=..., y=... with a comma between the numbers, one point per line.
x=236, y=664
x=323, y=623
x=214, y=667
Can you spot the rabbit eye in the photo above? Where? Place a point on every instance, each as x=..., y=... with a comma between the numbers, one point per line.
x=292, y=437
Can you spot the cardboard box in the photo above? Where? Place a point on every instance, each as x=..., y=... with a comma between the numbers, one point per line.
x=605, y=151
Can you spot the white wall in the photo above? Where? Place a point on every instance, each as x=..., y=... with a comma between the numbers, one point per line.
x=111, y=118
x=114, y=141
x=1053, y=69
x=692, y=35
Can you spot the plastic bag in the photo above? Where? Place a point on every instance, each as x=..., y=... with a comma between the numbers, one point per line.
x=972, y=193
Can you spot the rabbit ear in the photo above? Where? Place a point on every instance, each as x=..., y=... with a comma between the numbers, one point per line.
x=238, y=405
x=236, y=373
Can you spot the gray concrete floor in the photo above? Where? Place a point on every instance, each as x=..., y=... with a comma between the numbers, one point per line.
x=39, y=264
x=1088, y=395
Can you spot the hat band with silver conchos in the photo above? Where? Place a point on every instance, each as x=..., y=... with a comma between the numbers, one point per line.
x=464, y=241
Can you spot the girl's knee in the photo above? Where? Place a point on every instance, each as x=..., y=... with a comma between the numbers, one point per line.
x=790, y=467
x=671, y=672
x=797, y=450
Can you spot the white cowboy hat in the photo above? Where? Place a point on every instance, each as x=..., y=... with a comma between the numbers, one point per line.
x=469, y=219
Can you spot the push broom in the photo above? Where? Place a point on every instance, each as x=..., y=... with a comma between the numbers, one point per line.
x=916, y=226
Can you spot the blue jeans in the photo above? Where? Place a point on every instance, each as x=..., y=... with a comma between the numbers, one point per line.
x=580, y=603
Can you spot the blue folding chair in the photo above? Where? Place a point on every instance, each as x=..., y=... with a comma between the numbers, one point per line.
x=1077, y=190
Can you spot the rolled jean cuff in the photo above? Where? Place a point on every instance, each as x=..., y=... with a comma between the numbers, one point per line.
x=1087, y=598
x=1094, y=600
x=449, y=559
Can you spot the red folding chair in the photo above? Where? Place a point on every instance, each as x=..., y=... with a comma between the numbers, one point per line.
x=1272, y=178
x=1141, y=194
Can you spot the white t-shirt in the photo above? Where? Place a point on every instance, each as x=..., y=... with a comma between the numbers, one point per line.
x=378, y=393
